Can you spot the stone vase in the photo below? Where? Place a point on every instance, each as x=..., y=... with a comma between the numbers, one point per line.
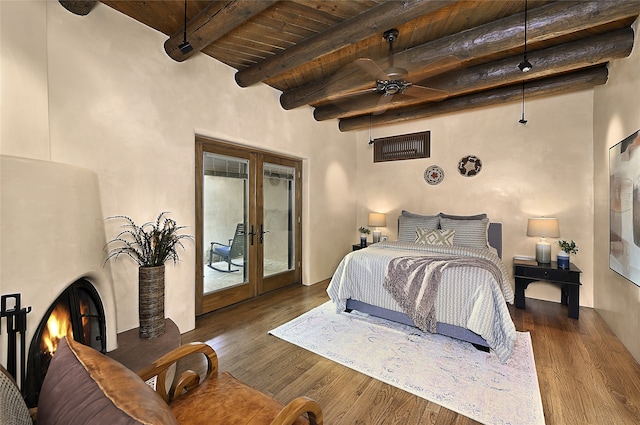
x=151, y=301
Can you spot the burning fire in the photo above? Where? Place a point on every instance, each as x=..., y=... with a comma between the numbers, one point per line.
x=58, y=326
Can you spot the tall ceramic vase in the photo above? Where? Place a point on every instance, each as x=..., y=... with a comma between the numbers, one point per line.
x=151, y=301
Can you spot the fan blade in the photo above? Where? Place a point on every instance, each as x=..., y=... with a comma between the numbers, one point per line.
x=371, y=68
x=381, y=107
x=426, y=92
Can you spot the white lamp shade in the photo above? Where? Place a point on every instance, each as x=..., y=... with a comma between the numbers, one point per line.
x=545, y=227
x=377, y=220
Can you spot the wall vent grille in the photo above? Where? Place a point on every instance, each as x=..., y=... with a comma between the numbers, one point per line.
x=405, y=146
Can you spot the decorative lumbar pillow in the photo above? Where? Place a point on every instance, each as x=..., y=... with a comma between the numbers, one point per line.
x=407, y=226
x=470, y=233
x=83, y=386
x=435, y=236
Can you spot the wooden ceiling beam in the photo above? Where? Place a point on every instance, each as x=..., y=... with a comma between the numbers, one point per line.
x=79, y=7
x=216, y=20
x=566, y=83
x=367, y=24
x=564, y=58
x=546, y=22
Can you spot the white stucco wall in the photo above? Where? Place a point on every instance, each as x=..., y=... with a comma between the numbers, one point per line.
x=99, y=92
x=540, y=169
x=616, y=116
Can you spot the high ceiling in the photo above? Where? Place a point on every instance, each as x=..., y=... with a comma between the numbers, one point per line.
x=448, y=55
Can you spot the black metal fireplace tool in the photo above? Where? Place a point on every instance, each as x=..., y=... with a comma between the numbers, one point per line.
x=16, y=323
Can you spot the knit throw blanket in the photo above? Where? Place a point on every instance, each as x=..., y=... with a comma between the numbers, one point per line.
x=413, y=282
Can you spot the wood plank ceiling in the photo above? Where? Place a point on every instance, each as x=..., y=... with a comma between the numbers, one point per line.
x=458, y=55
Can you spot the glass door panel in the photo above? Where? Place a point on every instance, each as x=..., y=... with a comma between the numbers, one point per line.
x=278, y=219
x=225, y=217
x=279, y=215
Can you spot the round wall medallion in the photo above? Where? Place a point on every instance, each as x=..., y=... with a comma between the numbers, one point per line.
x=433, y=174
x=469, y=166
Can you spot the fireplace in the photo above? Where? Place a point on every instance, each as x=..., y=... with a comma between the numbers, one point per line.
x=77, y=313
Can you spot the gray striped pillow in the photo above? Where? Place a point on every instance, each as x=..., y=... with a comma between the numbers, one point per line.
x=407, y=226
x=471, y=233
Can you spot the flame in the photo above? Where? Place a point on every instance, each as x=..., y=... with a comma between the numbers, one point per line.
x=58, y=326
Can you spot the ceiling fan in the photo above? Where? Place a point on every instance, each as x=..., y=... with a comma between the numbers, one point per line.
x=391, y=81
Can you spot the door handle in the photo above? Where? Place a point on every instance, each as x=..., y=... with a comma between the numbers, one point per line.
x=252, y=234
x=262, y=232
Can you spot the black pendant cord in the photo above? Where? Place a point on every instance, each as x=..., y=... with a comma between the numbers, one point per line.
x=184, y=38
x=525, y=29
x=185, y=47
x=522, y=120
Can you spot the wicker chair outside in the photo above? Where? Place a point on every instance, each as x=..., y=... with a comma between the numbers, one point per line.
x=13, y=409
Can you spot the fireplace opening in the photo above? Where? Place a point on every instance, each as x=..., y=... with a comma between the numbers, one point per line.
x=78, y=313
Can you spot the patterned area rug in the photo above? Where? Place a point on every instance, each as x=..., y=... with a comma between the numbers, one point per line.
x=440, y=369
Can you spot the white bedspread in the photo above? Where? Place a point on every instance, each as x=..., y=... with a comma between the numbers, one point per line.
x=468, y=297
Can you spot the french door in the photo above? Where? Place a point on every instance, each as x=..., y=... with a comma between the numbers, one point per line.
x=248, y=218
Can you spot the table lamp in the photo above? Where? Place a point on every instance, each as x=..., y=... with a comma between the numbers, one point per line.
x=377, y=220
x=545, y=227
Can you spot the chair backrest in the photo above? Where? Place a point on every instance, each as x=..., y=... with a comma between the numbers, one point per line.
x=13, y=409
x=237, y=245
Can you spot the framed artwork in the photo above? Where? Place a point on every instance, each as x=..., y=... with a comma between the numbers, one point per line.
x=624, y=208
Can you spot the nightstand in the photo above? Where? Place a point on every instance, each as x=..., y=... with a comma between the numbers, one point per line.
x=526, y=272
x=356, y=247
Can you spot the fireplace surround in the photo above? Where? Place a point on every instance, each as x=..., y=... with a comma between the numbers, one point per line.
x=51, y=235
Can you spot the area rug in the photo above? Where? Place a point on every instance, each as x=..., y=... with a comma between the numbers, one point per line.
x=446, y=371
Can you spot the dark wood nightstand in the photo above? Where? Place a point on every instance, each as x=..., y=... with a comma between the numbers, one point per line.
x=526, y=272
x=356, y=246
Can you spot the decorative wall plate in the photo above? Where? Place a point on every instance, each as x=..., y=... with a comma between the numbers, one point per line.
x=469, y=166
x=433, y=174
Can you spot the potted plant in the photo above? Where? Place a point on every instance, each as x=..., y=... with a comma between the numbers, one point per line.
x=363, y=235
x=566, y=248
x=151, y=246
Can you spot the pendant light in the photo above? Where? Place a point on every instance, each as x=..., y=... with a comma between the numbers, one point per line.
x=185, y=47
x=522, y=120
x=525, y=65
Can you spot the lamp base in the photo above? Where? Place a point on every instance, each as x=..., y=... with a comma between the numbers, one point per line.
x=543, y=252
x=376, y=236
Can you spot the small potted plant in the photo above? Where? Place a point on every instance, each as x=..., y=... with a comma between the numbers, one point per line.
x=566, y=248
x=363, y=235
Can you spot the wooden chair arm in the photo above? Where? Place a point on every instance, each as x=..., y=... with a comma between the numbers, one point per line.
x=187, y=379
x=299, y=406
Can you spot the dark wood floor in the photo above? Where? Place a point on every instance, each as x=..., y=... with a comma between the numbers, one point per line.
x=586, y=375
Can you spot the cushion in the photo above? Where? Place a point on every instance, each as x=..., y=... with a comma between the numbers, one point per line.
x=463, y=217
x=434, y=236
x=83, y=386
x=229, y=402
x=469, y=233
x=406, y=213
x=407, y=226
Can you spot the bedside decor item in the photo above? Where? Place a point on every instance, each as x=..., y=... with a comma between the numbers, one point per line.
x=544, y=227
x=624, y=205
x=363, y=236
x=150, y=246
x=434, y=175
x=469, y=165
x=377, y=220
x=566, y=248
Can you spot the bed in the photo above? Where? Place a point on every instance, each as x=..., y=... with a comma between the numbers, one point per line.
x=470, y=296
